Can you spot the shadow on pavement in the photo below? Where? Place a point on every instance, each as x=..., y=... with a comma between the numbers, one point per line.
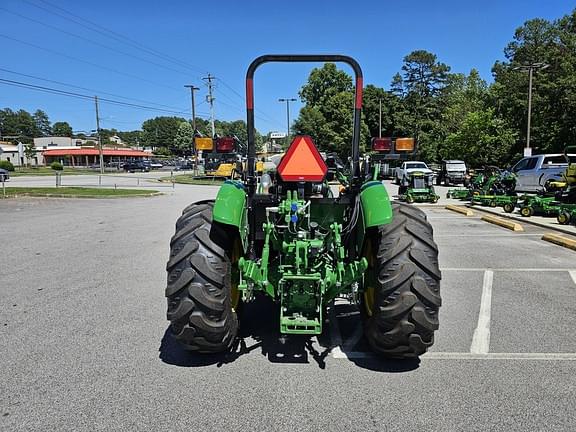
x=259, y=332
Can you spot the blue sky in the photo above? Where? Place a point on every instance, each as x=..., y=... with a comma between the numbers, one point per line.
x=222, y=38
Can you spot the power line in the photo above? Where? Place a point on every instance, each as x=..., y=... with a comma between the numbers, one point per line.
x=262, y=113
x=111, y=34
x=87, y=89
x=85, y=61
x=83, y=96
x=124, y=53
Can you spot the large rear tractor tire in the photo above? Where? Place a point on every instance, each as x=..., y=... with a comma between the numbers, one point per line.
x=402, y=285
x=200, y=292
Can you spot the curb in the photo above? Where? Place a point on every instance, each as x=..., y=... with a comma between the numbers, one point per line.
x=528, y=221
x=503, y=223
x=465, y=211
x=560, y=240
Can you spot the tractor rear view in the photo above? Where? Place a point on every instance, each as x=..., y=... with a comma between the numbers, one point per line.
x=285, y=235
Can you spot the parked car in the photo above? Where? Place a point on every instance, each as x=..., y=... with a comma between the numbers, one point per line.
x=452, y=172
x=135, y=166
x=533, y=172
x=403, y=171
x=4, y=175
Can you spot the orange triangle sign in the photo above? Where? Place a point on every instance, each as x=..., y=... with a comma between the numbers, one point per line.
x=302, y=162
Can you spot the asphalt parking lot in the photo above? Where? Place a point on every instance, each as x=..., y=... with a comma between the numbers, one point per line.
x=85, y=343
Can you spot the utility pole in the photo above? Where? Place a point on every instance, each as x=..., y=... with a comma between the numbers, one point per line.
x=192, y=89
x=99, y=137
x=380, y=119
x=530, y=68
x=210, y=100
x=287, y=100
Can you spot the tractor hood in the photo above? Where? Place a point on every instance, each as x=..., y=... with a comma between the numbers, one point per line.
x=421, y=170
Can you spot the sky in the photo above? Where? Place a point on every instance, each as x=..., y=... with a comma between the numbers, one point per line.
x=144, y=52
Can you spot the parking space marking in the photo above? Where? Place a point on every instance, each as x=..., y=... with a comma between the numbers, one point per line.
x=491, y=235
x=481, y=339
x=538, y=270
x=573, y=275
x=339, y=354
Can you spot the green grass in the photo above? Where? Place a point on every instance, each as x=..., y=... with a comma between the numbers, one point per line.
x=74, y=192
x=189, y=179
x=46, y=171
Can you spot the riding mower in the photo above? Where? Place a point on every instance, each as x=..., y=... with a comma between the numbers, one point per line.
x=557, y=198
x=495, y=189
x=284, y=236
x=418, y=187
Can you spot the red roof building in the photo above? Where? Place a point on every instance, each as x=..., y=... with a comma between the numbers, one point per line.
x=89, y=156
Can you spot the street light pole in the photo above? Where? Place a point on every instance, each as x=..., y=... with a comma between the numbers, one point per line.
x=287, y=100
x=530, y=68
x=192, y=89
x=100, y=152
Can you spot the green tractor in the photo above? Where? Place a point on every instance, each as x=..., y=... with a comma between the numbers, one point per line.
x=286, y=236
x=418, y=187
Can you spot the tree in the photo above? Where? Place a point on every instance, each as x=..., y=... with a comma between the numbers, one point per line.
x=42, y=123
x=184, y=138
x=62, y=129
x=132, y=138
x=482, y=139
x=423, y=81
x=29, y=152
x=160, y=131
x=553, y=119
x=371, y=109
x=327, y=114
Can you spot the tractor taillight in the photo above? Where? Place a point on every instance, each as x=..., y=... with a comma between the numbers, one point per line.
x=405, y=144
x=382, y=144
x=302, y=162
x=225, y=144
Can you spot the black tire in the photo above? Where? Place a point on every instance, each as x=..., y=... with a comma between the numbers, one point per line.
x=199, y=287
x=563, y=218
x=526, y=211
x=402, y=315
x=508, y=207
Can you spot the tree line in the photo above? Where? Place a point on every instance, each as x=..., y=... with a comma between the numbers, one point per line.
x=166, y=135
x=455, y=115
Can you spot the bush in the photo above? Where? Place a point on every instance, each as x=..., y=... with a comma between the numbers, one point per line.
x=7, y=165
x=57, y=166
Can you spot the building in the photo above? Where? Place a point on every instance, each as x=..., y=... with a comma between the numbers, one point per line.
x=14, y=153
x=55, y=141
x=90, y=156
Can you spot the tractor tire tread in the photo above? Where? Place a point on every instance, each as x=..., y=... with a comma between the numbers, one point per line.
x=407, y=296
x=198, y=287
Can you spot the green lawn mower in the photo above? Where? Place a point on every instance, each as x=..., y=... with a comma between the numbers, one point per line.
x=540, y=205
x=285, y=236
x=418, y=187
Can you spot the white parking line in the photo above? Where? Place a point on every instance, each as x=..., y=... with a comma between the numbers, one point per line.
x=339, y=354
x=481, y=338
x=573, y=275
x=538, y=270
x=491, y=235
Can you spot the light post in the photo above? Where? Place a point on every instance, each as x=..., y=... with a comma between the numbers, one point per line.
x=530, y=68
x=194, y=153
x=287, y=100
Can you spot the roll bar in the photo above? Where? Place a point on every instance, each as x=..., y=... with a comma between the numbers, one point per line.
x=301, y=58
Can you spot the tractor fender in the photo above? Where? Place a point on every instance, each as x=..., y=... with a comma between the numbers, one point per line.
x=230, y=205
x=376, y=206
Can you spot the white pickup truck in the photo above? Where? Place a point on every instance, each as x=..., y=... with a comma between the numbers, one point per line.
x=406, y=168
x=533, y=172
